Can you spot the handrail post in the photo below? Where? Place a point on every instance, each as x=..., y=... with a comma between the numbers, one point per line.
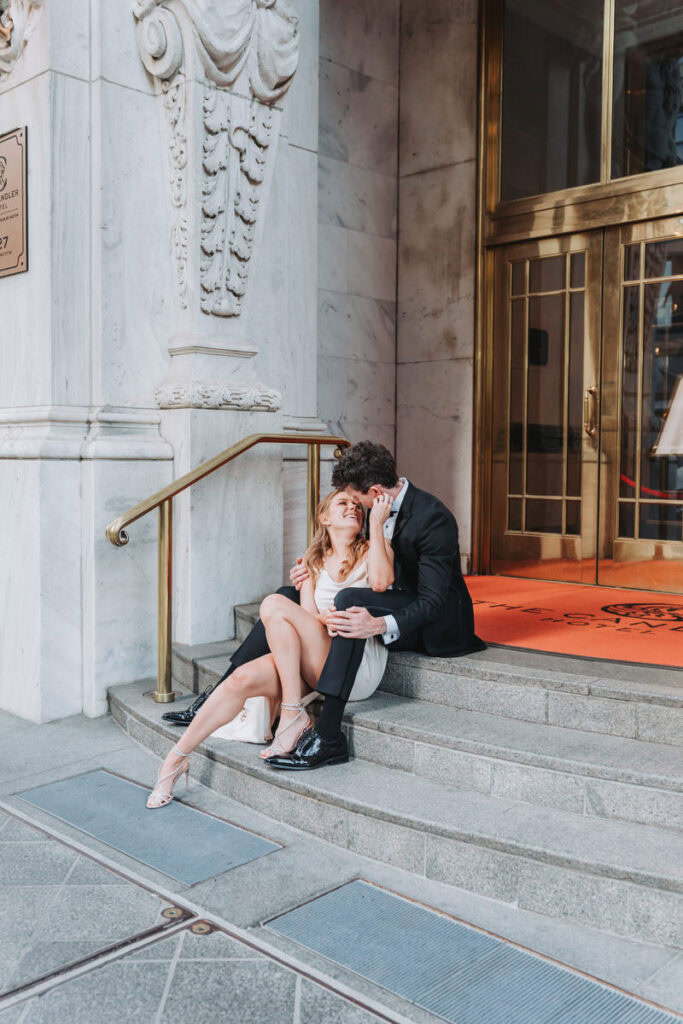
x=164, y=692
x=313, y=487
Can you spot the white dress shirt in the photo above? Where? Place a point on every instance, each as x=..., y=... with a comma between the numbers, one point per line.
x=393, y=631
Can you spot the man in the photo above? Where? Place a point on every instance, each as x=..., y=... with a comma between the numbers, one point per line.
x=429, y=610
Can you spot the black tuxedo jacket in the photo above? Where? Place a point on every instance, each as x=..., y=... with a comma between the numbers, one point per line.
x=427, y=565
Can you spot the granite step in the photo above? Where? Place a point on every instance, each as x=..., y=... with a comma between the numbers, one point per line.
x=638, y=702
x=586, y=773
x=592, y=773
x=626, y=879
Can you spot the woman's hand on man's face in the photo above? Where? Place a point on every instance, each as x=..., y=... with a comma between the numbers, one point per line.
x=381, y=509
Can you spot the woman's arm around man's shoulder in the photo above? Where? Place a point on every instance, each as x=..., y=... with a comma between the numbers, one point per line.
x=380, y=553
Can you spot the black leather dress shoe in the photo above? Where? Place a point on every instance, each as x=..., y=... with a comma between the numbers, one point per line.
x=311, y=751
x=184, y=718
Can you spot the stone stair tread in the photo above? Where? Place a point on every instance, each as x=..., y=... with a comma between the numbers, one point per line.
x=633, y=852
x=198, y=652
x=216, y=665
x=609, y=678
x=547, y=746
x=606, y=668
x=658, y=686
x=540, y=744
x=631, y=683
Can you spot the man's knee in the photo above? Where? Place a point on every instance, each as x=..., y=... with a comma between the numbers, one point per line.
x=291, y=592
x=349, y=598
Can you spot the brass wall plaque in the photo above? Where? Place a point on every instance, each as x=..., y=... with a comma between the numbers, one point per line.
x=13, y=203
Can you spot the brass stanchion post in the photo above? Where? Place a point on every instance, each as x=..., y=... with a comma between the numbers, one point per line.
x=164, y=692
x=313, y=486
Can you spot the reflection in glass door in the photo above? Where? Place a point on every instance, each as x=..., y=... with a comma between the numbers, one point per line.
x=587, y=470
x=545, y=408
x=642, y=436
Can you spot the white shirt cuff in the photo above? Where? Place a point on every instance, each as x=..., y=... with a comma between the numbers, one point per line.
x=392, y=632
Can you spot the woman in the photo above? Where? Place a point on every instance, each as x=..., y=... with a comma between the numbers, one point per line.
x=298, y=636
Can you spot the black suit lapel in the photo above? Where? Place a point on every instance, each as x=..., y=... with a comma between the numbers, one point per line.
x=405, y=511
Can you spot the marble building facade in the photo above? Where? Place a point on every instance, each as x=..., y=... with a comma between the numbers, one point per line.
x=243, y=215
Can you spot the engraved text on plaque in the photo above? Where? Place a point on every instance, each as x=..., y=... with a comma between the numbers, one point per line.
x=13, y=217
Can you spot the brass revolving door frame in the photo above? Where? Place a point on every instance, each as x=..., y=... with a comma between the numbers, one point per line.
x=602, y=209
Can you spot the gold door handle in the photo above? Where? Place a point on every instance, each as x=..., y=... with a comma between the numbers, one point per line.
x=590, y=411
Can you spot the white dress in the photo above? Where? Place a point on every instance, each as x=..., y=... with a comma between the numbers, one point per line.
x=252, y=724
x=375, y=654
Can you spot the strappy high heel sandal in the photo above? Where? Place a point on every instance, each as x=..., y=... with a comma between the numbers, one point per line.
x=276, y=746
x=159, y=796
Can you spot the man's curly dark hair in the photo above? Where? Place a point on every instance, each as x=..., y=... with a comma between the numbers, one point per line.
x=365, y=464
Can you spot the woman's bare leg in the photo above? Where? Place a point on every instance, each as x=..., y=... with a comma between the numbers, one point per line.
x=299, y=644
x=256, y=678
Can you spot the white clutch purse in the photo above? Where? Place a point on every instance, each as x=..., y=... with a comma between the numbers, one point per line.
x=251, y=725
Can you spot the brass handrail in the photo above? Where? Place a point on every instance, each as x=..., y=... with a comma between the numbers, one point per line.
x=163, y=500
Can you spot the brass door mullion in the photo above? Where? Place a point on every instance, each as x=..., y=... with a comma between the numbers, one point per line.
x=619, y=387
x=639, y=408
x=492, y=66
x=489, y=94
x=607, y=80
x=508, y=336
x=525, y=395
x=565, y=387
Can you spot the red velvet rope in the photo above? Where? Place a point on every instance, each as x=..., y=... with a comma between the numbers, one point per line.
x=648, y=490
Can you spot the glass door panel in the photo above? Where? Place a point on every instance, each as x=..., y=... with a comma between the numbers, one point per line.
x=545, y=416
x=642, y=519
x=552, y=95
x=647, y=122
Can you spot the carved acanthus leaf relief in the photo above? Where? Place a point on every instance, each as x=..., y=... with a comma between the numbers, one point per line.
x=17, y=21
x=174, y=93
x=234, y=167
x=260, y=39
x=245, y=395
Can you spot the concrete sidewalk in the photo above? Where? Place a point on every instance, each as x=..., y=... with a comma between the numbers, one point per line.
x=91, y=935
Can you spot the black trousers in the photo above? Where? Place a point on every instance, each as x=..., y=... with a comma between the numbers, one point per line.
x=340, y=670
x=343, y=661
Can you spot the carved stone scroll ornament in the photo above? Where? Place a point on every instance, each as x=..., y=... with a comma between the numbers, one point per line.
x=255, y=39
x=175, y=101
x=207, y=395
x=17, y=21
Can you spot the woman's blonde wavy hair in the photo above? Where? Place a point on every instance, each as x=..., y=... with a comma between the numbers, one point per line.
x=321, y=545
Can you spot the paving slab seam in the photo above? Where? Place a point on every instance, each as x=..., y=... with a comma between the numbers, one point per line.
x=57, y=894
x=169, y=980
x=297, y=1002
x=233, y=931
x=107, y=955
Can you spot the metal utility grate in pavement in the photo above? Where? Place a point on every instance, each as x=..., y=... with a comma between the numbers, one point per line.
x=184, y=843
x=452, y=970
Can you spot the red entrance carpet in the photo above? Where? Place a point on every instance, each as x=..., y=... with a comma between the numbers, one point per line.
x=593, y=622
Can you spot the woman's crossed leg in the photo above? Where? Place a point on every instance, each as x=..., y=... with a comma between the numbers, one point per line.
x=299, y=643
x=255, y=679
